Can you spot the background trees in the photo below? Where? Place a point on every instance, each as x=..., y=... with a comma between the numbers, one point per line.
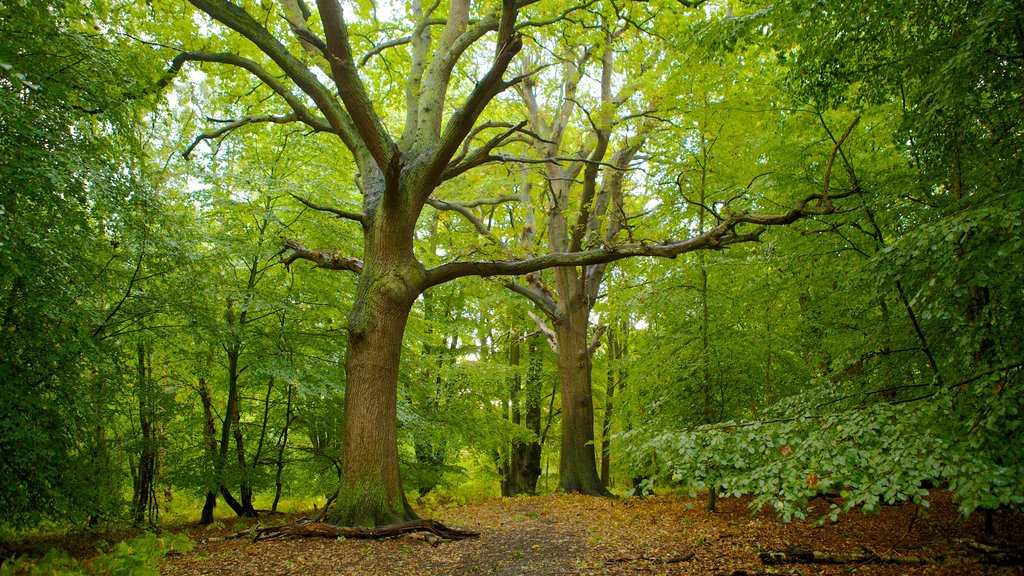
x=162, y=341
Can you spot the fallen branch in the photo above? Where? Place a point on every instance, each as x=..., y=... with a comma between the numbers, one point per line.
x=817, y=557
x=313, y=529
x=670, y=560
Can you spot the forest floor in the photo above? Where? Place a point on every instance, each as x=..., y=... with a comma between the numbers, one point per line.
x=567, y=534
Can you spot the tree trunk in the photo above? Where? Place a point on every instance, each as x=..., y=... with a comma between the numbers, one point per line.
x=370, y=492
x=231, y=425
x=615, y=352
x=281, y=448
x=529, y=454
x=144, y=487
x=578, y=465
x=210, y=439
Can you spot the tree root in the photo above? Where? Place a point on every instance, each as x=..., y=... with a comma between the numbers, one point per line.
x=312, y=529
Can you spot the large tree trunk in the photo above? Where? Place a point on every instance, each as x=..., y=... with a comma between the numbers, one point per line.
x=578, y=467
x=370, y=493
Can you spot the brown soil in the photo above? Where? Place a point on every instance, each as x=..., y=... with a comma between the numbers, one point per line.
x=568, y=534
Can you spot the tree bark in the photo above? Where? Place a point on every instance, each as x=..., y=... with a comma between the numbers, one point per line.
x=232, y=419
x=144, y=491
x=370, y=492
x=578, y=464
x=210, y=440
x=281, y=448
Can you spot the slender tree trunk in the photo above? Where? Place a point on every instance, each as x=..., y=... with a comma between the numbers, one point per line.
x=614, y=356
x=232, y=429
x=511, y=480
x=281, y=449
x=147, y=456
x=210, y=439
x=530, y=459
x=578, y=465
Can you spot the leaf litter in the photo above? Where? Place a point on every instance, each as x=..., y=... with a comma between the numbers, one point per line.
x=572, y=534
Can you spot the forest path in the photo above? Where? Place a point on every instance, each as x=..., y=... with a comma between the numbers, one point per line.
x=569, y=534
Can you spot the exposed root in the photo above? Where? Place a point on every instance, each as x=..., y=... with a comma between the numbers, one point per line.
x=313, y=529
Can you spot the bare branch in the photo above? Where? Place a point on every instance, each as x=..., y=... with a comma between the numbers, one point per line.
x=546, y=330
x=234, y=125
x=543, y=301
x=563, y=16
x=832, y=159
x=358, y=217
x=465, y=213
x=595, y=341
x=721, y=236
x=469, y=160
x=382, y=47
x=320, y=258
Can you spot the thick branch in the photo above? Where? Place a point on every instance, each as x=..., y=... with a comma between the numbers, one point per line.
x=461, y=123
x=353, y=93
x=236, y=18
x=722, y=235
x=542, y=300
x=320, y=258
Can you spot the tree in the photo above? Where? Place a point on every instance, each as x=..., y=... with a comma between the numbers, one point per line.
x=398, y=177
x=74, y=208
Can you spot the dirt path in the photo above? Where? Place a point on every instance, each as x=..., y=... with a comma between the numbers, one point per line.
x=581, y=535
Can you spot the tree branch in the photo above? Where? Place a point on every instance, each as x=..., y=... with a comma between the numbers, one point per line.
x=722, y=235
x=235, y=124
x=303, y=113
x=361, y=218
x=353, y=92
x=463, y=210
x=322, y=259
x=595, y=341
x=543, y=301
x=546, y=330
x=236, y=18
x=461, y=123
x=468, y=160
x=382, y=47
x=832, y=159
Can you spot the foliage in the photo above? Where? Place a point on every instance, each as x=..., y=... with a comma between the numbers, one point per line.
x=71, y=194
x=136, y=556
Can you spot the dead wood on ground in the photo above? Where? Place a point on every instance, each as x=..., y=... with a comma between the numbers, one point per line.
x=818, y=557
x=313, y=529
